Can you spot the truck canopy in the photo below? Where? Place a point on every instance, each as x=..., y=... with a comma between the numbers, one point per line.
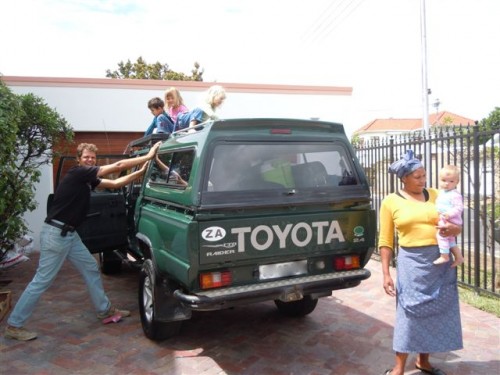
x=257, y=162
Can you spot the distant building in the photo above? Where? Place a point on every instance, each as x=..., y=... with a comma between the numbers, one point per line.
x=380, y=128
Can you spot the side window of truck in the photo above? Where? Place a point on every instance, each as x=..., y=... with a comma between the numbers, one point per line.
x=172, y=168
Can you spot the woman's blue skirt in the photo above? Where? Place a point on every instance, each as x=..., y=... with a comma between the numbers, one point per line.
x=427, y=311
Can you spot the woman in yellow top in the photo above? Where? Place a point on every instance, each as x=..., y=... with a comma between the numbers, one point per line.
x=427, y=307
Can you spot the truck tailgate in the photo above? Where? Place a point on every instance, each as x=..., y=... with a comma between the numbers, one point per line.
x=290, y=236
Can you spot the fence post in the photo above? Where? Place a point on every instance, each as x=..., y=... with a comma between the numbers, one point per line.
x=391, y=160
x=476, y=215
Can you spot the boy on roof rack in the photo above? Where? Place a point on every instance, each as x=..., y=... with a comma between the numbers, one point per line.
x=162, y=122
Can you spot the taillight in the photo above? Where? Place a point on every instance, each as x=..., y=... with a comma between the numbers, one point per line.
x=346, y=262
x=210, y=280
x=281, y=131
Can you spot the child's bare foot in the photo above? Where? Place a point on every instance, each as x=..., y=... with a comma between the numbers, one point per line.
x=444, y=258
x=458, y=261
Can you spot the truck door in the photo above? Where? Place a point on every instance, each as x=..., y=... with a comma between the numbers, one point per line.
x=105, y=228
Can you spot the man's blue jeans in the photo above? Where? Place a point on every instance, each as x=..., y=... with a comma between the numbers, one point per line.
x=54, y=249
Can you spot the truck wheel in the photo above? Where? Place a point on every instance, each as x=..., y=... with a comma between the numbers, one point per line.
x=297, y=308
x=153, y=329
x=111, y=263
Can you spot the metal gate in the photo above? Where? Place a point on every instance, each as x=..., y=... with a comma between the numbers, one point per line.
x=477, y=153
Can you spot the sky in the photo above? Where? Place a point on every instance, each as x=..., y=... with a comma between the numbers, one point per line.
x=373, y=46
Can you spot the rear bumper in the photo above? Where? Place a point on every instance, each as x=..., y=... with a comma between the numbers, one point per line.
x=285, y=290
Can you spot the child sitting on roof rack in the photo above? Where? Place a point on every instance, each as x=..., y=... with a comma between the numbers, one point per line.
x=215, y=96
x=175, y=103
x=162, y=122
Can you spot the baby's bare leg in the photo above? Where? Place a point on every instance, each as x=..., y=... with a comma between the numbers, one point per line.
x=443, y=258
x=457, y=256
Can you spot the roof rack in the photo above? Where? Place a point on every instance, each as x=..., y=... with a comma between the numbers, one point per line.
x=149, y=140
x=144, y=143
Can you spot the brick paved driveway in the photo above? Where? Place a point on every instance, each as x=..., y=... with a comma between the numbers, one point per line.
x=348, y=333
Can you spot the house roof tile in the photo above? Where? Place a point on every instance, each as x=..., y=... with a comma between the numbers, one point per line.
x=443, y=118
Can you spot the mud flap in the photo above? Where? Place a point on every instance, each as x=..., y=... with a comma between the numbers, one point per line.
x=169, y=309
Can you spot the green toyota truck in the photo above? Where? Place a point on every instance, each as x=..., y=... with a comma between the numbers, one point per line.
x=238, y=211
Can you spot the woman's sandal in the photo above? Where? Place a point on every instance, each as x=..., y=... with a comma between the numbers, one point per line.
x=388, y=372
x=432, y=371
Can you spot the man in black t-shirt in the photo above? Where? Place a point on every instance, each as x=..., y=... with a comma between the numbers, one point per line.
x=60, y=241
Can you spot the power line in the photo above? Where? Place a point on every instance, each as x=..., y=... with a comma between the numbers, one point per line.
x=342, y=18
x=332, y=18
x=320, y=20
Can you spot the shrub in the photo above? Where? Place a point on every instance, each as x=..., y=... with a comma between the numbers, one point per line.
x=30, y=129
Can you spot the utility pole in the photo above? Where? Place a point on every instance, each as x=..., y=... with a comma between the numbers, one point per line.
x=425, y=89
x=425, y=94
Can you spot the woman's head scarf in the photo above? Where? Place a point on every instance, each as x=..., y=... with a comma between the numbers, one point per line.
x=406, y=165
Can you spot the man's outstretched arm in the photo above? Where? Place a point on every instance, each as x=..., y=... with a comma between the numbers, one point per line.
x=125, y=164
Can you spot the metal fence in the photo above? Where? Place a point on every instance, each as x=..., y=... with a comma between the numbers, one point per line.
x=477, y=153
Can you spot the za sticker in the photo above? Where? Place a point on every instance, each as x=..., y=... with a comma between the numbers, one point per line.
x=213, y=234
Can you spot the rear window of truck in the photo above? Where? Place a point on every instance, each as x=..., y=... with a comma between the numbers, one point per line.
x=278, y=166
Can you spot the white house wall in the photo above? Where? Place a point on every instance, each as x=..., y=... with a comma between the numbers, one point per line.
x=121, y=106
x=35, y=218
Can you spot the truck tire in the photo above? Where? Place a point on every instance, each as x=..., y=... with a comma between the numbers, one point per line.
x=111, y=263
x=297, y=308
x=153, y=329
